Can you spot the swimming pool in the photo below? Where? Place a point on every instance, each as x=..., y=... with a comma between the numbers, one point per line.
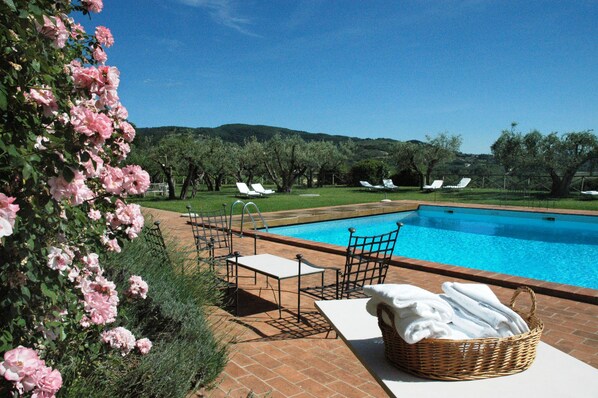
x=546, y=246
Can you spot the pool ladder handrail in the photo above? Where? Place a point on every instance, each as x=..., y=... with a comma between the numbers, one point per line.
x=246, y=210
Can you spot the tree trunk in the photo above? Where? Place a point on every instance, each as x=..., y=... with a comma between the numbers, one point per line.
x=209, y=182
x=191, y=172
x=170, y=180
x=310, y=178
x=560, y=185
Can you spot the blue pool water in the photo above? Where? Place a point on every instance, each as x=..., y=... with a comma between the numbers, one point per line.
x=551, y=247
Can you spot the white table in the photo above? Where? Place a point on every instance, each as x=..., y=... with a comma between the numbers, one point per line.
x=275, y=267
x=553, y=373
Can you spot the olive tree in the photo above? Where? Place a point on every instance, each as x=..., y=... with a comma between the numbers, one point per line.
x=325, y=156
x=285, y=159
x=559, y=156
x=423, y=157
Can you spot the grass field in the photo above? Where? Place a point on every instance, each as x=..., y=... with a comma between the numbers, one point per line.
x=341, y=195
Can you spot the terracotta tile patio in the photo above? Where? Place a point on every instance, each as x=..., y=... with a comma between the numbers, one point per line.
x=272, y=357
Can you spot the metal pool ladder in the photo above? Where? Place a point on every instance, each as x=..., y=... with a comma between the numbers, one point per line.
x=247, y=207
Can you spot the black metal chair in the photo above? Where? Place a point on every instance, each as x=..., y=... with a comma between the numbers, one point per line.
x=155, y=240
x=366, y=263
x=212, y=237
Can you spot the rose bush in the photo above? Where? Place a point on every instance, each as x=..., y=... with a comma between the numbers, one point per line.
x=63, y=136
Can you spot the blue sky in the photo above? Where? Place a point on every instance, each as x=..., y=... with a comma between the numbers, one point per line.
x=395, y=69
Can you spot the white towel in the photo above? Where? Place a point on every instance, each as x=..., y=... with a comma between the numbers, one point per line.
x=470, y=325
x=480, y=301
x=407, y=301
x=415, y=328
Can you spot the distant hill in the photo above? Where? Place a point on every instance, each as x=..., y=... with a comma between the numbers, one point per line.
x=238, y=133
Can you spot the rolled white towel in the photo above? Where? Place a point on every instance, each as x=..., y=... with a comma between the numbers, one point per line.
x=472, y=326
x=415, y=328
x=480, y=301
x=407, y=301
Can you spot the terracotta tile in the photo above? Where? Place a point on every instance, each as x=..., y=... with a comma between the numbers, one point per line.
x=315, y=388
x=255, y=384
x=284, y=386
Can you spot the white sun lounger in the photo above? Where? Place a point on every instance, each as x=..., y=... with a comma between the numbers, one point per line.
x=462, y=184
x=246, y=192
x=388, y=184
x=370, y=186
x=436, y=184
x=260, y=189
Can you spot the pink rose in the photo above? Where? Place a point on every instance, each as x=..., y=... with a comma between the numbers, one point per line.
x=137, y=287
x=123, y=149
x=128, y=131
x=90, y=123
x=19, y=363
x=94, y=215
x=76, y=192
x=47, y=382
x=119, y=338
x=60, y=259
x=93, y=5
x=136, y=180
x=104, y=36
x=112, y=179
x=77, y=31
x=8, y=214
x=94, y=165
x=110, y=76
x=129, y=215
x=110, y=244
x=43, y=96
x=100, y=300
x=144, y=346
x=99, y=55
x=87, y=77
x=119, y=112
x=54, y=29
x=92, y=263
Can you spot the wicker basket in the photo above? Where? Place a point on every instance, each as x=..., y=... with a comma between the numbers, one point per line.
x=472, y=359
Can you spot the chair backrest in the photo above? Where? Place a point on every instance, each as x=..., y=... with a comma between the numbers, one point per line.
x=155, y=240
x=242, y=187
x=464, y=182
x=257, y=187
x=211, y=230
x=388, y=183
x=367, y=260
x=436, y=184
x=365, y=184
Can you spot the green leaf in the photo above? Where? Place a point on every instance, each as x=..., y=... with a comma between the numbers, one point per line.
x=68, y=174
x=48, y=292
x=3, y=98
x=10, y=5
x=27, y=171
x=25, y=291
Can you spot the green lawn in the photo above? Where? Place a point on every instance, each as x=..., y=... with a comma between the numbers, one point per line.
x=341, y=195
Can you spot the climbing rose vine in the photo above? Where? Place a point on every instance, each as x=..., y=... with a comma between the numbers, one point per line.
x=63, y=136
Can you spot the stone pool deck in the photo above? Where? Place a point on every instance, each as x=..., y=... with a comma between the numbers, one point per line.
x=272, y=357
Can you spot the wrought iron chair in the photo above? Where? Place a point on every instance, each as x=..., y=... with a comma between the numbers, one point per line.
x=366, y=263
x=155, y=240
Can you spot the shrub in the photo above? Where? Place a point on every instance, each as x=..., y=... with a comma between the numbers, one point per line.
x=63, y=136
x=185, y=353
